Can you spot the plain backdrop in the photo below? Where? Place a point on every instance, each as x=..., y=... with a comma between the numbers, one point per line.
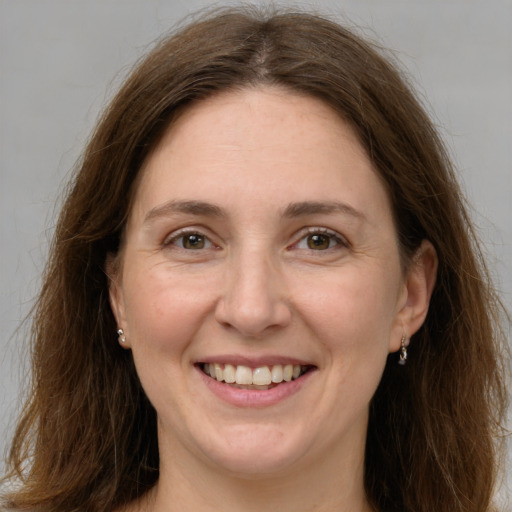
x=61, y=60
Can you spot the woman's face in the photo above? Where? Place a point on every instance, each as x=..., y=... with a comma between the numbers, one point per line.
x=261, y=249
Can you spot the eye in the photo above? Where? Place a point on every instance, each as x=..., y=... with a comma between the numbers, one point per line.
x=189, y=241
x=320, y=239
x=318, y=242
x=193, y=241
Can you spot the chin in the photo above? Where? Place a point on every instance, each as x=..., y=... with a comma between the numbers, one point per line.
x=254, y=452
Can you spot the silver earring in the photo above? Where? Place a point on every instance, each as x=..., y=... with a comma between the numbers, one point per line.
x=121, y=338
x=403, y=351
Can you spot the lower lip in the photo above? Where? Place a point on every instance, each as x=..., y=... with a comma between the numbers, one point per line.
x=251, y=397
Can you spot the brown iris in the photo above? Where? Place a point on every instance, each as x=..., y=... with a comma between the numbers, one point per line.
x=193, y=241
x=319, y=241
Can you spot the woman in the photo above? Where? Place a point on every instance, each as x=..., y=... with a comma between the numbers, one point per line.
x=267, y=219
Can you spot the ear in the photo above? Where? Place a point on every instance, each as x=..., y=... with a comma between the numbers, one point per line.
x=115, y=292
x=419, y=285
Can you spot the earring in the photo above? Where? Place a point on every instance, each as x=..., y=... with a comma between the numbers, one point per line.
x=121, y=338
x=403, y=351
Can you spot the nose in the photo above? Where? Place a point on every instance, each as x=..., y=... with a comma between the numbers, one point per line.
x=254, y=300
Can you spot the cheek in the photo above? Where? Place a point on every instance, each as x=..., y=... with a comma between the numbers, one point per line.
x=352, y=303
x=164, y=313
x=164, y=310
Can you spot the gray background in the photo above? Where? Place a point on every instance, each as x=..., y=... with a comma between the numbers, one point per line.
x=61, y=60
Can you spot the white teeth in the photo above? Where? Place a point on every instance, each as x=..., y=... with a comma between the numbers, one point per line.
x=288, y=372
x=260, y=377
x=229, y=373
x=219, y=374
x=243, y=375
x=277, y=373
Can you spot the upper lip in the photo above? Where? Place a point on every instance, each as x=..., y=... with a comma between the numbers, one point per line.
x=254, y=361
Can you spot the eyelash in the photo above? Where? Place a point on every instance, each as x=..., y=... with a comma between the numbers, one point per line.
x=308, y=232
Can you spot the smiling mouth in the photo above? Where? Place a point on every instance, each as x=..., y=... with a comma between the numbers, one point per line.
x=261, y=378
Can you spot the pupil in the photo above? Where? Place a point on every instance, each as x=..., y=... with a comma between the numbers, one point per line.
x=318, y=242
x=194, y=242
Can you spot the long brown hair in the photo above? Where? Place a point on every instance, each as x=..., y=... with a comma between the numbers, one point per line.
x=87, y=437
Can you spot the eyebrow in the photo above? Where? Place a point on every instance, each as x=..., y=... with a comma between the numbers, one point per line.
x=293, y=210
x=304, y=208
x=188, y=207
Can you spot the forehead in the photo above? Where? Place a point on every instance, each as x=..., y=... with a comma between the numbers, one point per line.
x=278, y=145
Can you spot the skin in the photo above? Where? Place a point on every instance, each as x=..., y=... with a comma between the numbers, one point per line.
x=269, y=165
